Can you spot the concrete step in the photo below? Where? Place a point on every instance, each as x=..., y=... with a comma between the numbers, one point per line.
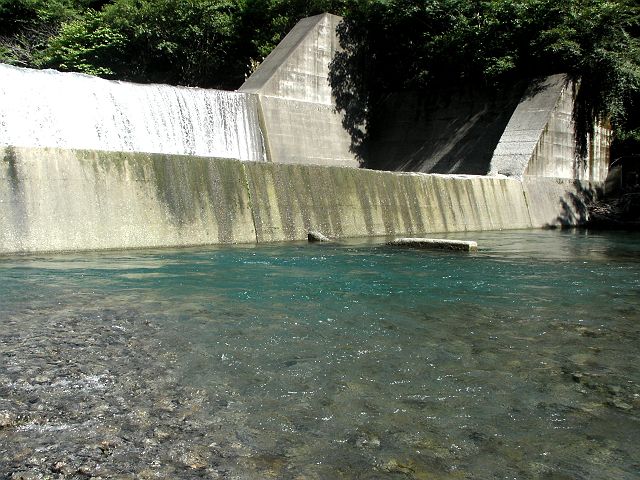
x=436, y=244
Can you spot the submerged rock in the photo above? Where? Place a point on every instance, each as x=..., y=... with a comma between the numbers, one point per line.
x=315, y=236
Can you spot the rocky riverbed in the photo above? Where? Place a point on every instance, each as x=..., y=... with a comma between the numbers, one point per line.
x=89, y=393
x=298, y=364
x=93, y=392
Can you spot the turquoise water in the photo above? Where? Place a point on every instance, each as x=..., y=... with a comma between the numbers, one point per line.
x=332, y=361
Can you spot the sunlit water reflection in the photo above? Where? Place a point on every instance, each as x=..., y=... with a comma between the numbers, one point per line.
x=326, y=361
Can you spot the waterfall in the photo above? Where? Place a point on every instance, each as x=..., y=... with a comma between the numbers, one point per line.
x=46, y=108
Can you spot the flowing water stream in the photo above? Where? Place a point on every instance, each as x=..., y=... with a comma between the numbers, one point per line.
x=325, y=361
x=46, y=108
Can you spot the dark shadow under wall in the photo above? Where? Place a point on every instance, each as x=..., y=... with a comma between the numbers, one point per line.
x=449, y=132
x=451, y=129
x=575, y=206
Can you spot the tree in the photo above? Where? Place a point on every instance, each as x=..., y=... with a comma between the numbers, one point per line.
x=168, y=41
x=26, y=26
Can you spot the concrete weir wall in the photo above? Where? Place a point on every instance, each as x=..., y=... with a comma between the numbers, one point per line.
x=60, y=199
x=53, y=200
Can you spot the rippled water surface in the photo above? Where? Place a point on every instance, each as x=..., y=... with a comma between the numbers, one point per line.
x=325, y=361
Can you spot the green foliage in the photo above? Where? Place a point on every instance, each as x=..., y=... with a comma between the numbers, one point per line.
x=27, y=26
x=597, y=42
x=170, y=41
x=16, y=15
x=85, y=45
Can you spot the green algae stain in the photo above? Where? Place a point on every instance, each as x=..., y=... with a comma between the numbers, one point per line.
x=11, y=159
x=181, y=184
x=205, y=192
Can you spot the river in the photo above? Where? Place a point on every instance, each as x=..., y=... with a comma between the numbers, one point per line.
x=318, y=361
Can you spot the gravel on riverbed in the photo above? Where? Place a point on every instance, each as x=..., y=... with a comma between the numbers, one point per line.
x=92, y=393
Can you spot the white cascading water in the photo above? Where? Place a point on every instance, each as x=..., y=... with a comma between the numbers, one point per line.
x=46, y=108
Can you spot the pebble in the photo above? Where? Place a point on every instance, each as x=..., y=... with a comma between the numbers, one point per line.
x=63, y=468
x=394, y=466
x=367, y=441
x=7, y=419
x=26, y=476
x=621, y=405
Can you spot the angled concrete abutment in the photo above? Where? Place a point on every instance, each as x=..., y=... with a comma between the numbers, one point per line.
x=540, y=138
x=517, y=132
x=298, y=115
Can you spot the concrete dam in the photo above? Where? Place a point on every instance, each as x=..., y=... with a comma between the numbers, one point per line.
x=91, y=164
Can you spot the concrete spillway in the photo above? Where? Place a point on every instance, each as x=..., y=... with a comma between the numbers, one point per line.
x=87, y=163
x=45, y=108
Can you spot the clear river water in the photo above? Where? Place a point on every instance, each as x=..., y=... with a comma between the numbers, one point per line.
x=324, y=361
